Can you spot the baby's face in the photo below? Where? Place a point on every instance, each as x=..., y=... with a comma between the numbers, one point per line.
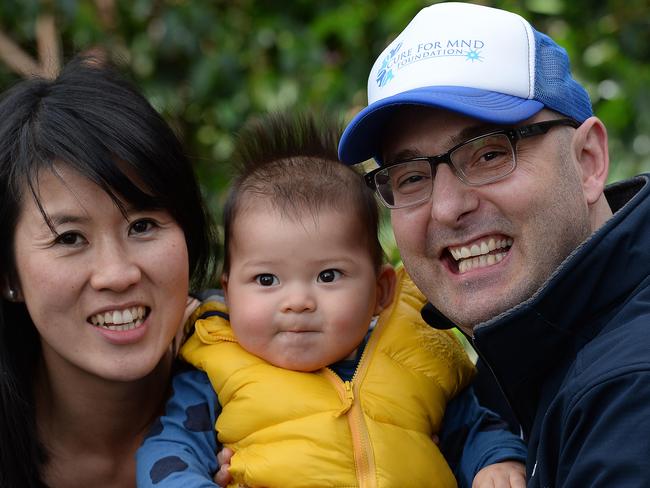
x=301, y=292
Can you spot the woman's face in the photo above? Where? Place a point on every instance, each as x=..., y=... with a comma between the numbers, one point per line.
x=106, y=293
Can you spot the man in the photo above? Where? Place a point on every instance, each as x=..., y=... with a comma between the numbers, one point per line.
x=495, y=167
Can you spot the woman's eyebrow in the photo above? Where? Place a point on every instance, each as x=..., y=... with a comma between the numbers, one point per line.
x=64, y=218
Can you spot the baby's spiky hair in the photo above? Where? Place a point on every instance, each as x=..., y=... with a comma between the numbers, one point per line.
x=291, y=161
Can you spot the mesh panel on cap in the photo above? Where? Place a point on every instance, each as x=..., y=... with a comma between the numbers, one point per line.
x=554, y=86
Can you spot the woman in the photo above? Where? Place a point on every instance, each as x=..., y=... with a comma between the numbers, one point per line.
x=103, y=230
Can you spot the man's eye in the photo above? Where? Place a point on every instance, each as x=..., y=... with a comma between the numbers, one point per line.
x=329, y=275
x=267, y=279
x=411, y=179
x=488, y=152
x=491, y=156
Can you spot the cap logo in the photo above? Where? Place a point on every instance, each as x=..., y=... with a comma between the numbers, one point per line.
x=385, y=73
x=396, y=59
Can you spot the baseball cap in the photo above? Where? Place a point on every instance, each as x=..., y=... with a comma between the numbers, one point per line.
x=482, y=62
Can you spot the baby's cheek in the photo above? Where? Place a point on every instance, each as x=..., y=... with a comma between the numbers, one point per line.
x=253, y=328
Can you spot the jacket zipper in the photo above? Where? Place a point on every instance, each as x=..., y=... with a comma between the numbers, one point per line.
x=349, y=392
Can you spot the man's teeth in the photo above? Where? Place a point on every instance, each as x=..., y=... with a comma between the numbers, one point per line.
x=126, y=319
x=479, y=262
x=477, y=255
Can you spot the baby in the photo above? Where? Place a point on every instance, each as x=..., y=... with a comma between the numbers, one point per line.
x=324, y=372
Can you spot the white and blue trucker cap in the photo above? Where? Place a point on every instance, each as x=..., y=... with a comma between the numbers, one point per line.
x=479, y=61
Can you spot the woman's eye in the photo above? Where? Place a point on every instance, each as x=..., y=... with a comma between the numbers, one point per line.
x=329, y=275
x=142, y=226
x=69, y=239
x=267, y=279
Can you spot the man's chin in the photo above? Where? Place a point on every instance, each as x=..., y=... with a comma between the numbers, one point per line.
x=467, y=320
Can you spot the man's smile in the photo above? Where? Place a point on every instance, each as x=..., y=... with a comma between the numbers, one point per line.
x=486, y=251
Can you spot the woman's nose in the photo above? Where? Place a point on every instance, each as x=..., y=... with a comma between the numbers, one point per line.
x=114, y=268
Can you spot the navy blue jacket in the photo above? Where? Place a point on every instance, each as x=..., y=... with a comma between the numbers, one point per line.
x=574, y=359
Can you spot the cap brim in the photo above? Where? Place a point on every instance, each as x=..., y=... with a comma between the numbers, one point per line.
x=361, y=139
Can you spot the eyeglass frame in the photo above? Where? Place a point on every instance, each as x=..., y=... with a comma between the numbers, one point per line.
x=514, y=134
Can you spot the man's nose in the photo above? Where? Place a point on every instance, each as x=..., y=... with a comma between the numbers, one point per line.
x=114, y=267
x=451, y=199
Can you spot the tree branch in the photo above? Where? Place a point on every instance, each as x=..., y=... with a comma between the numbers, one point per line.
x=49, y=52
x=17, y=59
x=106, y=11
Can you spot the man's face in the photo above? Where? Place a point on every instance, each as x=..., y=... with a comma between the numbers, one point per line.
x=518, y=230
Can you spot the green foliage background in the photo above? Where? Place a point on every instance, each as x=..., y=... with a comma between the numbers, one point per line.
x=209, y=65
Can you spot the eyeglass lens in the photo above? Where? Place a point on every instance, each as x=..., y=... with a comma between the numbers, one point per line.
x=476, y=162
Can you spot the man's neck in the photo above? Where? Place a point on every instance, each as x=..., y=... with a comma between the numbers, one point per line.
x=599, y=213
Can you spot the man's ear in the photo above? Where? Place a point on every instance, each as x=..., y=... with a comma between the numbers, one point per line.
x=386, y=281
x=592, y=155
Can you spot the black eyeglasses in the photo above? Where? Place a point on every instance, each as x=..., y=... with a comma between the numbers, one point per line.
x=478, y=161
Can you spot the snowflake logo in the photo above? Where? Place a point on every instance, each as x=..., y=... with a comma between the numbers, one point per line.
x=473, y=55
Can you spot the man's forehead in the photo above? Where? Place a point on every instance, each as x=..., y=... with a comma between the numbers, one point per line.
x=416, y=131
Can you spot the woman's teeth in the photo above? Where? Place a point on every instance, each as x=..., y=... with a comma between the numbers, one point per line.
x=126, y=319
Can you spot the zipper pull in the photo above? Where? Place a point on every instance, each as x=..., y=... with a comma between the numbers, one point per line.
x=349, y=399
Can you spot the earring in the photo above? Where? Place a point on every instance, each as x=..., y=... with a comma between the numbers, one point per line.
x=12, y=294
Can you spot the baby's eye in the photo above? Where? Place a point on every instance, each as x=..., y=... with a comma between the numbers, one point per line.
x=267, y=279
x=329, y=275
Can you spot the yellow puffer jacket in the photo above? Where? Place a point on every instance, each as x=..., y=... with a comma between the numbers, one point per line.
x=293, y=429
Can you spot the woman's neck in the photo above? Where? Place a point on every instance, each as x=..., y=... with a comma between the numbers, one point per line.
x=92, y=425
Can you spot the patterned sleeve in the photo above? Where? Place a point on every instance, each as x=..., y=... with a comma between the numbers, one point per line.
x=473, y=437
x=180, y=449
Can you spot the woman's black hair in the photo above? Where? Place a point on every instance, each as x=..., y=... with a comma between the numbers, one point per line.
x=94, y=121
